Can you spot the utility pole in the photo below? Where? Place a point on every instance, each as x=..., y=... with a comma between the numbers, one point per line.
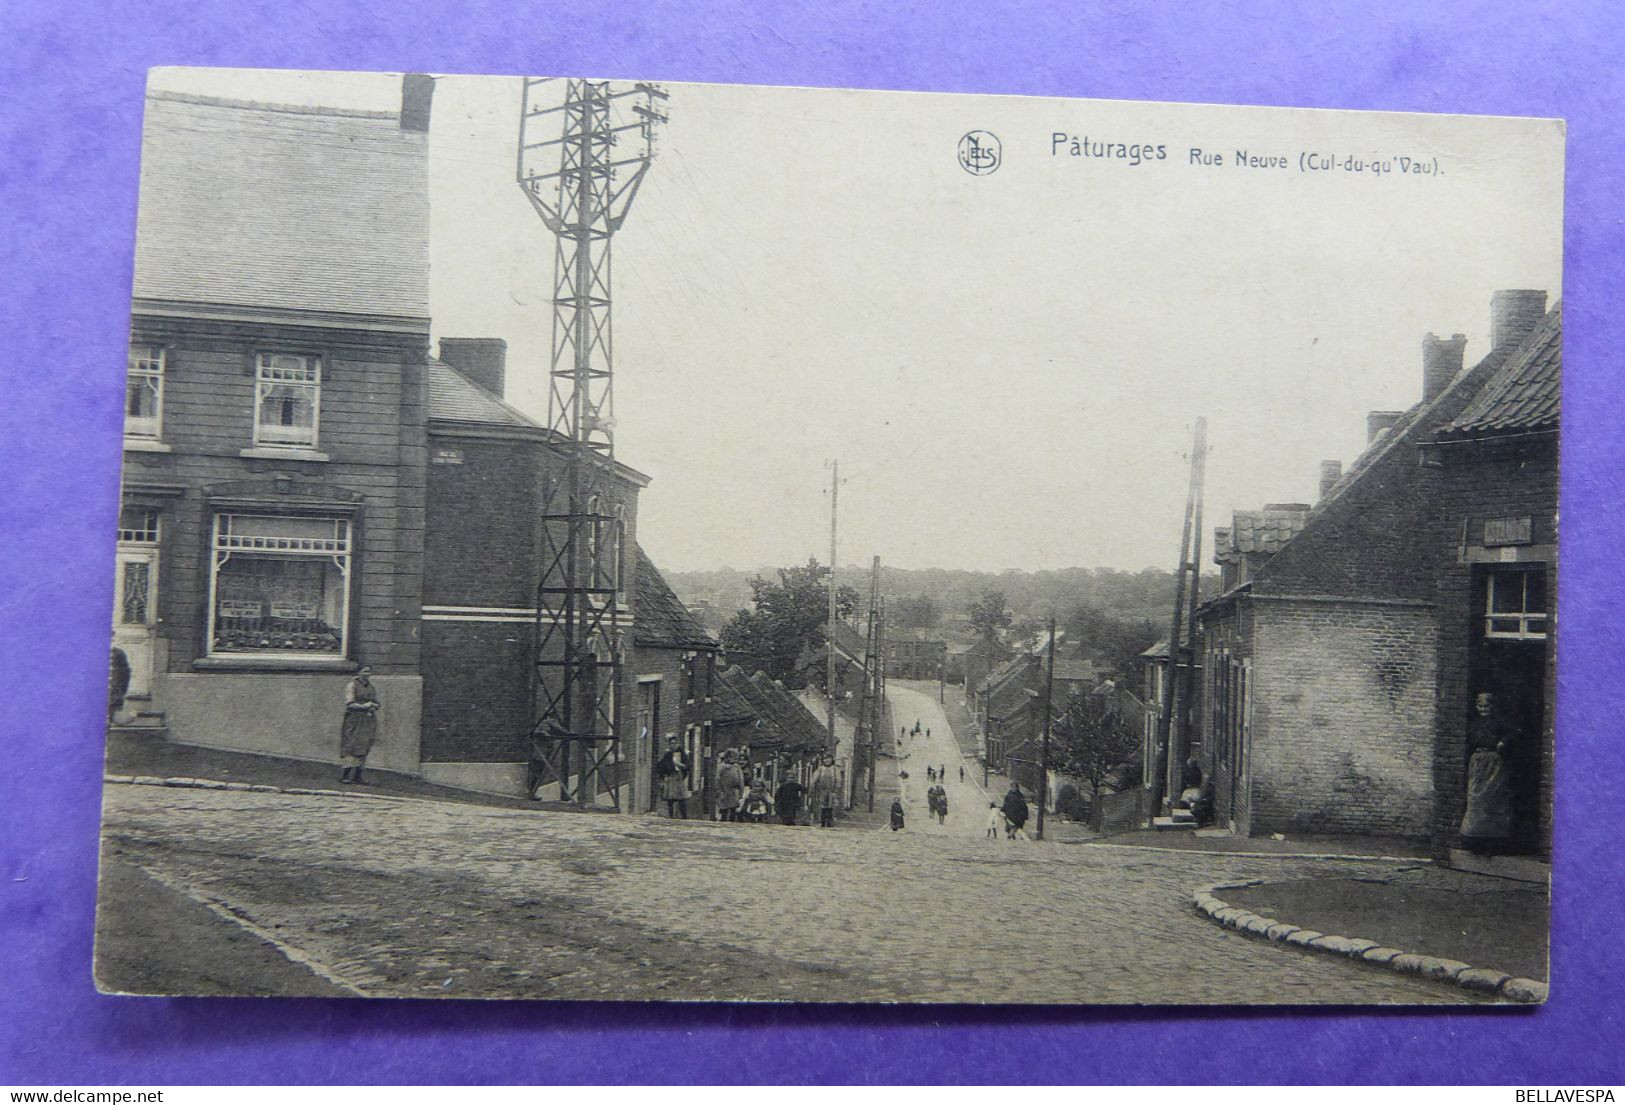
x=1189, y=565
x=829, y=626
x=880, y=690
x=1043, y=755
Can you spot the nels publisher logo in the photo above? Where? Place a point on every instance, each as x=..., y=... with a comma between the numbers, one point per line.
x=980, y=153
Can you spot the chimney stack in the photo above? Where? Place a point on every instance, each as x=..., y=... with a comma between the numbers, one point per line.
x=1378, y=423
x=1514, y=314
x=483, y=360
x=1330, y=472
x=1441, y=363
x=417, y=95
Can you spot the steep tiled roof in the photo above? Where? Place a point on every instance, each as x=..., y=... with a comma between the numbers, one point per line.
x=1008, y=689
x=659, y=618
x=850, y=641
x=785, y=723
x=1525, y=395
x=768, y=732
x=1075, y=671
x=252, y=205
x=453, y=397
x=804, y=730
x=1265, y=531
x=727, y=704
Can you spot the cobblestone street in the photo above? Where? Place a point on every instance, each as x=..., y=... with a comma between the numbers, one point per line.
x=409, y=897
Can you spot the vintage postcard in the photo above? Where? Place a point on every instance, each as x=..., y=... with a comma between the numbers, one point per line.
x=1189, y=474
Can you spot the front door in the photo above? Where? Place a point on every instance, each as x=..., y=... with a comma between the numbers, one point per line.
x=135, y=612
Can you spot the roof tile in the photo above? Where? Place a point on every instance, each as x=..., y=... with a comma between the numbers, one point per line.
x=260, y=206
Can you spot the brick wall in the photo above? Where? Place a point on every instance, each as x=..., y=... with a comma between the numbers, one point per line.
x=484, y=548
x=1473, y=483
x=1227, y=635
x=1343, y=714
x=372, y=397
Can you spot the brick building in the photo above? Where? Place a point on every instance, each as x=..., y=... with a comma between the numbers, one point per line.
x=914, y=656
x=489, y=473
x=270, y=536
x=674, y=664
x=1494, y=469
x=1156, y=685
x=1322, y=700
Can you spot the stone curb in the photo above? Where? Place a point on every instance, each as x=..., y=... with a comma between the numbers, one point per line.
x=1480, y=980
x=259, y=788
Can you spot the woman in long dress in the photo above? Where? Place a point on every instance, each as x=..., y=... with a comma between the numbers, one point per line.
x=1487, y=824
x=730, y=787
x=360, y=727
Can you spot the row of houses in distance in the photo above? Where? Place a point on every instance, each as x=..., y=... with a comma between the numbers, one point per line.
x=309, y=489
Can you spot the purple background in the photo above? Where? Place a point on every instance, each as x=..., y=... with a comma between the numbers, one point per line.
x=70, y=101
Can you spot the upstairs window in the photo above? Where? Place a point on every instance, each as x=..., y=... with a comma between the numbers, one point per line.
x=138, y=525
x=144, y=392
x=287, y=400
x=1515, y=607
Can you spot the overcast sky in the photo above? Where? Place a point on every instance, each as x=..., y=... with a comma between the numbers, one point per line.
x=1008, y=366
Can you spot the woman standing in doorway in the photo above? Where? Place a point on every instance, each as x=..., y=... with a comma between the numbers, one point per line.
x=360, y=727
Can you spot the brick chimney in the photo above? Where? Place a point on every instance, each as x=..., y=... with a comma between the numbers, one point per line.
x=417, y=95
x=1441, y=363
x=1380, y=422
x=483, y=360
x=1330, y=472
x=1514, y=314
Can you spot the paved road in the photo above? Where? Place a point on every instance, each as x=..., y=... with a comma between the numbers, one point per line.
x=409, y=897
x=935, y=747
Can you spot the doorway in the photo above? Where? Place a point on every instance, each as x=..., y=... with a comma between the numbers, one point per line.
x=1509, y=660
x=135, y=612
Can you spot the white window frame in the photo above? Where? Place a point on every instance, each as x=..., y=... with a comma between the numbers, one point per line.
x=147, y=362
x=1531, y=626
x=264, y=379
x=224, y=545
x=150, y=530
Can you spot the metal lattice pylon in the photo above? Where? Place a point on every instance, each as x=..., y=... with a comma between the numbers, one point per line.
x=580, y=178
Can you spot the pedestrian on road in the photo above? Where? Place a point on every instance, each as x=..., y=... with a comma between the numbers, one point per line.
x=931, y=796
x=360, y=727
x=730, y=787
x=995, y=821
x=672, y=771
x=757, y=806
x=930, y=775
x=826, y=786
x=896, y=813
x=942, y=806
x=942, y=771
x=961, y=773
x=788, y=800
x=1015, y=811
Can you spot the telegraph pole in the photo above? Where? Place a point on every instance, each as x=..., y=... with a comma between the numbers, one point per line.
x=829, y=635
x=1189, y=565
x=1043, y=760
x=880, y=688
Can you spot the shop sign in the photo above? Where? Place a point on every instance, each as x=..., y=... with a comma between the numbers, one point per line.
x=1508, y=531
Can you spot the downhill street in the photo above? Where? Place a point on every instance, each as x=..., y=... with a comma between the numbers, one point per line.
x=407, y=897
x=967, y=801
